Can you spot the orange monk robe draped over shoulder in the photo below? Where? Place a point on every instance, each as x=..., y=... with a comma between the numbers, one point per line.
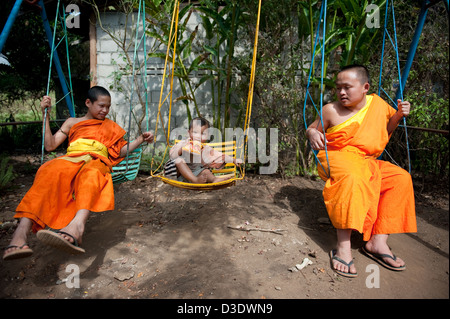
x=79, y=180
x=363, y=193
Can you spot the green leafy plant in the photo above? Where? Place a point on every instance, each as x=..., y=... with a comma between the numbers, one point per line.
x=159, y=28
x=6, y=173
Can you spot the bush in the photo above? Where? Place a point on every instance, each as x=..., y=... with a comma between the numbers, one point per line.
x=6, y=173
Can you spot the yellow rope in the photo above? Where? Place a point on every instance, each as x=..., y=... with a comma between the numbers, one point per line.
x=250, y=89
x=172, y=37
x=208, y=186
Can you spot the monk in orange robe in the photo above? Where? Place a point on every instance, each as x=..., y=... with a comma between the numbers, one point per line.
x=362, y=193
x=66, y=189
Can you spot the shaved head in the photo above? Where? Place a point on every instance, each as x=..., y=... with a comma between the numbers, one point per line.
x=361, y=72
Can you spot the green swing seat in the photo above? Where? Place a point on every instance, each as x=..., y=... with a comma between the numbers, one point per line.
x=128, y=169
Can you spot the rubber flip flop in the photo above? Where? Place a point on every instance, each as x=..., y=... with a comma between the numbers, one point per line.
x=379, y=259
x=54, y=239
x=20, y=252
x=344, y=274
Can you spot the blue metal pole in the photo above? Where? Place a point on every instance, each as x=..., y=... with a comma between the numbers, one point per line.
x=56, y=60
x=413, y=46
x=382, y=48
x=9, y=23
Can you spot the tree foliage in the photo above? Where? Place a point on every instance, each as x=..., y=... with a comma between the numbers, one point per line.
x=219, y=50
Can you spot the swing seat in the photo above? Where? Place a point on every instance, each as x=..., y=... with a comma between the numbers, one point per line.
x=228, y=172
x=128, y=169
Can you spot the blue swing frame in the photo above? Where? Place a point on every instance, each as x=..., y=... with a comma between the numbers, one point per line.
x=128, y=169
x=403, y=76
x=48, y=32
x=319, y=40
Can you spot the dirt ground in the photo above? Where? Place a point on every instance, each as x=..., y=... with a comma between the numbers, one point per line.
x=162, y=242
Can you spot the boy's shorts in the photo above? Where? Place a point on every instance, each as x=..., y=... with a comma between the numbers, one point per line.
x=170, y=171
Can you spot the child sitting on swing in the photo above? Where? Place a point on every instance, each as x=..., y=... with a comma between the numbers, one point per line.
x=194, y=159
x=66, y=189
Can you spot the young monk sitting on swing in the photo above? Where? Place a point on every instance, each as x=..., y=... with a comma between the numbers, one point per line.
x=66, y=189
x=194, y=159
x=362, y=193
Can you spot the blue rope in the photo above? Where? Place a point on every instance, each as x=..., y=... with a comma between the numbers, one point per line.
x=69, y=84
x=400, y=86
x=321, y=85
x=395, y=46
x=137, y=44
x=144, y=74
x=380, y=78
x=132, y=86
x=323, y=14
x=60, y=18
x=48, y=84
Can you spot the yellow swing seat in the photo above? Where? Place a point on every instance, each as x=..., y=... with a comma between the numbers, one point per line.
x=229, y=172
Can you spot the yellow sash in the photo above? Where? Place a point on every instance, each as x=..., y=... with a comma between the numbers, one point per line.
x=82, y=145
x=358, y=117
x=76, y=159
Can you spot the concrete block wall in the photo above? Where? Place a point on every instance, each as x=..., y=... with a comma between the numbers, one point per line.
x=110, y=66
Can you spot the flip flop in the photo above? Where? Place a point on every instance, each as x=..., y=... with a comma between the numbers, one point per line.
x=20, y=252
x=53, y=238
x=344, y=274
x=379, y=259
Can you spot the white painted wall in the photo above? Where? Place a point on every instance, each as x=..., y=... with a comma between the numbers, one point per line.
x=110, y=61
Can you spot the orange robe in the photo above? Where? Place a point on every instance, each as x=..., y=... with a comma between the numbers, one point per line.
x=363, y=193
x=79, y=180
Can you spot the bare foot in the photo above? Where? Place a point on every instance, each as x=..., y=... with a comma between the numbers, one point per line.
x=200, y=179
x=221, y=179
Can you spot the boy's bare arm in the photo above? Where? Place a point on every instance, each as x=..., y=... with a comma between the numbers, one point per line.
x=235, y=161
x=177, y=149
x=230, y=159
x=315, y=131
x=403, y=110
x=144, y=137
x=52, y=141
x=315, y=135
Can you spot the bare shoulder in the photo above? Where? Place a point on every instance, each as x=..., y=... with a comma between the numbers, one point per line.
x=71, y=121
x=331, y=107
x=330, y=111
